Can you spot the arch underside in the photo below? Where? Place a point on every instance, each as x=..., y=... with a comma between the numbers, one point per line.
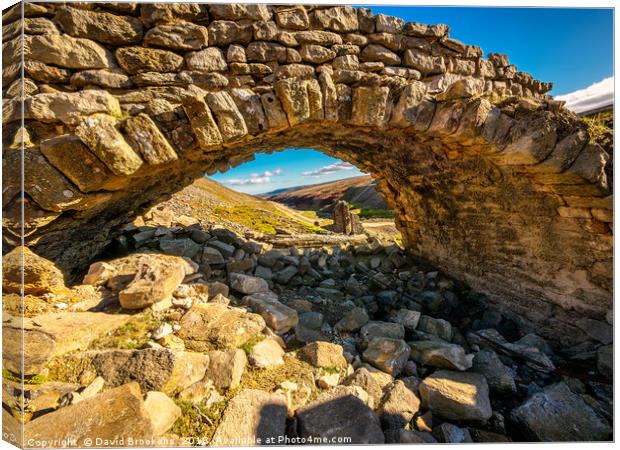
x=495, y=184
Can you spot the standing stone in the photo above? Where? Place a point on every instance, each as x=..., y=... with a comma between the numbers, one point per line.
x=340, y=413
x=252, y=417
x=558, y=414
x=457, y=395
x=345, y=222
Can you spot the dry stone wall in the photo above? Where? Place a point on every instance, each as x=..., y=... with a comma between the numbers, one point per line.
x=491, y=179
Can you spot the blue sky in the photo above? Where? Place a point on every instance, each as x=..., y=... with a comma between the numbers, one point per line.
x=573, y=48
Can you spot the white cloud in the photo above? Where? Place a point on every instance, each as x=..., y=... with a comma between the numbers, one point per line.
x=327, y=170
x=255, y=178
x=595, y=96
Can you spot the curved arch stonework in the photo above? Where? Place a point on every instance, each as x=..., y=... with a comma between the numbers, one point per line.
x=491, y=179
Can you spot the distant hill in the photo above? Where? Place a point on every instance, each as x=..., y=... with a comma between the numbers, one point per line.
x=359, y=191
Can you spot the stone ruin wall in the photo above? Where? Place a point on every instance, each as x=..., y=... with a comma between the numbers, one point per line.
x=491, y=179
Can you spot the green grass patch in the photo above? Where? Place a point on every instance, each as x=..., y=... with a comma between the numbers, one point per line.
x=132, y=335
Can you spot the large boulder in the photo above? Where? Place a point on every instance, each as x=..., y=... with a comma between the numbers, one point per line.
x=457, y=395
x=557, y=414
x=440, y=354
x=217, y=326
x=340, y=413
x=252, y=417
x=40, y=275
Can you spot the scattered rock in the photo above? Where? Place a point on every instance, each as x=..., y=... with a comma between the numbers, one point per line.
x=451, y=434
x=280, y=318
x=323, y=354
x=353, y=320
x=398, y=405
x=457, y=395
x=440, y=354
x=40, y=275
x=389, y=355
x=226, y=368
x=210, y=325
x=375, y=329
x=247, y=284
x=340, y=413
x=252, y=417
x=499, y=377
x=161, y=410
x=266, y=354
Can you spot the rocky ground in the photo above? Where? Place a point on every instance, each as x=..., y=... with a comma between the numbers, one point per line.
x=185, y=335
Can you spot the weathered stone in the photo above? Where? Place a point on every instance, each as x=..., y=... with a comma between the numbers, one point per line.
x=40, y=276
x=266, y=354
x=353, y=320
x=440, y=354
x=420, y=29
x=370, y=380
x=156, y=369
x=378, y=53
x=53, y=334
x=389, y=355
x=301, y=99
x=67, y=107
x=153, y=13
x=102, y=77
x=45, y=73
x=155, y=280
x=224, y=32
x=375, y=329
x=208, y=60
x=278, y=317
x=266, y=52
x=178, y=36
x=66, y=51
x=229, y=119
x=144, y=136
x=437, y=327
x=370, y=107
x=604, y=360
x=342, y=19
x=214, y=325
x=226, y=368
x=252, y=417
x=426, y=64
x=292, y=18
x=389, y=24
x=451, y=434
x=457, y=395
x=337, y=413
x=99, y=273
x=323, y=354
x=318, y=37
x=499, y=377
x=557, y=414
x=316, y=54
x=247, y=284
x=398, y=405
x=135, y=60
x=203, y=124
x=161, y=410
x=113, y=415
x=99, y=26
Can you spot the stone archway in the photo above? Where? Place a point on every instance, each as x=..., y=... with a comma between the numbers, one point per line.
x=490, y=178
